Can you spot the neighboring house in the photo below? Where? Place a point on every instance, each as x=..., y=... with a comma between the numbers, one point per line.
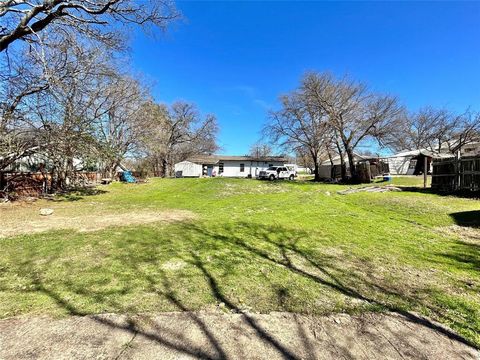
x=31, y=161
x=471, y=149
x=37, y=160
x=412, y=162
x=228, y=166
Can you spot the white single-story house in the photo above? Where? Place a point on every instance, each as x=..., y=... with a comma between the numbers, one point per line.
x=228, y=166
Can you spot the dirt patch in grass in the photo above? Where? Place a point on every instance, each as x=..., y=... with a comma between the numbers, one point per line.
x=174, y=265
x=89, y=222
x=258, y=188
x=231, y=336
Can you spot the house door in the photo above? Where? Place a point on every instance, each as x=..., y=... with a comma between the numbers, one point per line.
x=209, y=170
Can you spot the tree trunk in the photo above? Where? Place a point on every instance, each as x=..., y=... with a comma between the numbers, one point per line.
x=110, y=173
x=343, y=168
x=69, y=178
x=164, y=168
x=316, y=172
x=3, y=181
x=316, y=169
x=156, y=168
x=351, y=164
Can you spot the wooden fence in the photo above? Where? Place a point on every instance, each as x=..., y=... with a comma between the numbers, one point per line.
x=22, y=184
x=454, y=174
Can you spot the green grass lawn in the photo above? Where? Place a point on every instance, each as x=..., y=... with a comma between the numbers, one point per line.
x=256, y=246
x=406, y=181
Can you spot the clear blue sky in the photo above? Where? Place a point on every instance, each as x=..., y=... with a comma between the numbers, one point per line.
x=235, y=58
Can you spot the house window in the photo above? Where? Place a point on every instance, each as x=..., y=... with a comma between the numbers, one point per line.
x=242, y=167
x=220, y=168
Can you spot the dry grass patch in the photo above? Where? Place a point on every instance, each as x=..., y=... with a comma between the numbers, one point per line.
x=468, y=234
x=88, y=222
x=266, y=187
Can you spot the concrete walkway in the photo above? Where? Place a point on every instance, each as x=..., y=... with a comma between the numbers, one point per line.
x=229, y=336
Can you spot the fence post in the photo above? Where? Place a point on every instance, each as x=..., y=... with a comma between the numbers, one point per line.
x=458, y=165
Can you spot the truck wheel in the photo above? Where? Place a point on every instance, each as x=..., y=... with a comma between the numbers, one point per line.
x=291, y=178
x=271, y=177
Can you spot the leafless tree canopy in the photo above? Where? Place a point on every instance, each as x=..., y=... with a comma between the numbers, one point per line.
x=176, y=133
x=354, y=112
x=438, y=130
x=260, y=150
x=80, y=111
x=326, y=115
x=27, y=19
x=64, y=96
x=299, y=125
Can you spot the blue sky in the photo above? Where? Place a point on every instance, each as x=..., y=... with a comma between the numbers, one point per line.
x=235, y=58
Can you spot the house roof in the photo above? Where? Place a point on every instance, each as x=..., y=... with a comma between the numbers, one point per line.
x=356, y=157
x=423, y=152
x=325, y=160
x=214, y=159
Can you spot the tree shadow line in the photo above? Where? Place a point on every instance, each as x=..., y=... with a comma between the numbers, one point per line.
x=464, y=194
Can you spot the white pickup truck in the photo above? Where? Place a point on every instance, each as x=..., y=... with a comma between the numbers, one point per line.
x=277, y=172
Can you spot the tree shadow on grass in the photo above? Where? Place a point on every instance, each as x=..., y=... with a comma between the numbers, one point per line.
x=464, y=194
x=256, y=242
x=76, y=194
x=466, y=249
x=467, y=218
x=324, y=275
x=465, y=253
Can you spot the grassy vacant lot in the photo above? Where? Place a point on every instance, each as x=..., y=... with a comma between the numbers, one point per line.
x=202, y=244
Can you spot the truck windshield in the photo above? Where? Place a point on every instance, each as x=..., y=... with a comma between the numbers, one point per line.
x=273, y=168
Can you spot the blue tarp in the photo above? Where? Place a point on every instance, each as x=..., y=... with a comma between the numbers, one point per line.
x=128, y=177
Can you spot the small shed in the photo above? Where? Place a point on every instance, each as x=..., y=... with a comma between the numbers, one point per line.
x=410, y=162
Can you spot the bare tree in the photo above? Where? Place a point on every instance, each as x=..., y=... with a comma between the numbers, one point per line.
x=122, y=123
x=45, y=26
x=176, y=133
x=18, y=81
x=69, y=112
x=354, y=113
x=438, y=130
x=60, y=92
x=260, y=150
x=304, y=159
x=468, y=132
x=27, y=19
x=299, y=126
